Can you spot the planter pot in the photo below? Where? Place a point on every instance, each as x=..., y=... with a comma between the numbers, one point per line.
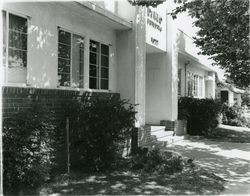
x=181, y=128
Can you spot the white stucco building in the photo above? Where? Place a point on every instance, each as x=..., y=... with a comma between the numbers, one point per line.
x=108, y=47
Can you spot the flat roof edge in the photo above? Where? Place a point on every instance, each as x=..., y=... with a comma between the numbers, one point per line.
x=106, y=13
x=208, y=68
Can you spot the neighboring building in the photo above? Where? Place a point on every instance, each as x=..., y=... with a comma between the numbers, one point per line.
x=102, y=47
x=196, y=77
x=229, y=94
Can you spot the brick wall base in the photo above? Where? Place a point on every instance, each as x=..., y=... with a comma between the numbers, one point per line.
x=16, y=99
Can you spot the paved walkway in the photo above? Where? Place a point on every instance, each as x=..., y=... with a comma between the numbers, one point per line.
x=228, y=160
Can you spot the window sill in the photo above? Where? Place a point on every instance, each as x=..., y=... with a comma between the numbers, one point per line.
x=15, y=84
x=84, y=89
x=24, y=85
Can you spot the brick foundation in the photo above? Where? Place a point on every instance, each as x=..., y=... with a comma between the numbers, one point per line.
x=15, y=99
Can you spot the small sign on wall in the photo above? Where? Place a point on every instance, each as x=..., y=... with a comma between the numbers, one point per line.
x=156, y=27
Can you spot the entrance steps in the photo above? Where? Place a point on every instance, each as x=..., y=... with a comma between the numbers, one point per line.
x=156, y=136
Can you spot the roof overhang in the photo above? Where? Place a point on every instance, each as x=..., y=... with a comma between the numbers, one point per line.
x=195, y=61
x=104, y=15
x=96, y=14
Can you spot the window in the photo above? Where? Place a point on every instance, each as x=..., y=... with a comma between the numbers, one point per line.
x=195, y=85
x=190, y=84
x=179, y=82
x=70, y=59
x=195, y=90
x=98, y=65
x=201, y=86
x=15, y=34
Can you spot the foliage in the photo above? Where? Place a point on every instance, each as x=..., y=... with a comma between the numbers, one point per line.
x=245, y=99
x=27, y=149
x=182, y=112
x=157, y=161
x=223, y=34
x=202, y=114
x=234, y=116
x=153, y=3
x=100, y=128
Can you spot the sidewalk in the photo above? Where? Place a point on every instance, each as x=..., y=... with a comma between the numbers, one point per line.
x=228, y=160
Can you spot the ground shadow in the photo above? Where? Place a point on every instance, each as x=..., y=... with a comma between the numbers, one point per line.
x=187, y=182
x=231, y=161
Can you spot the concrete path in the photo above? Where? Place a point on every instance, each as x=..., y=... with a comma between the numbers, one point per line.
x=228, y=160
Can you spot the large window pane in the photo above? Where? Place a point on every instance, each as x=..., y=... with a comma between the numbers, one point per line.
x=104, y=84
x=105, y=50
x=93, y=46
x=63, y=65
x=104, y=61
x=17, y=40
x=64, y=57
x=64, y=37
x=93, y=71
x=195, y=85
x=93, y=58
x=77, y=61
x=200, y=86
x=17, y=58
x=93, y=83
x=94, y=64
x=64, y=79
x=64, y=51
x=17, y=23
x=190, y=84
x=99, y=63
x=105, y=72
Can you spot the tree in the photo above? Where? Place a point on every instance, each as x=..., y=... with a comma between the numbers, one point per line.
x=223, y=34
x=153, y=3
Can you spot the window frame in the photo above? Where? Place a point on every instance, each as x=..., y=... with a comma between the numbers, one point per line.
x=200, y=86
x=6, y=67
x=99, y=66
x=72, y=33
x=196, y=85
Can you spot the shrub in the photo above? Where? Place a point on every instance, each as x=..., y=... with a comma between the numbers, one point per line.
x=245, y=99
x=233, y=115
x=99, y=128
x=27, y=149
x=202, y=114
x=156, y=161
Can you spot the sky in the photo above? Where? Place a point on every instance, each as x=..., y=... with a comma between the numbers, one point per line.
x=185, y=23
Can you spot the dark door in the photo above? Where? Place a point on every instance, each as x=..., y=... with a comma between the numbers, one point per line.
x=224, y=96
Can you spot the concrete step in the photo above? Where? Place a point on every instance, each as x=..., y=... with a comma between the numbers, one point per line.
x=160, y=133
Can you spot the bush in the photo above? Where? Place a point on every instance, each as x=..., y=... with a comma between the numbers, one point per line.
x=156, y=161
x=27, y=149
x=202, y=114
x=245, y=99
x=99, y=128
x=233, y=115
